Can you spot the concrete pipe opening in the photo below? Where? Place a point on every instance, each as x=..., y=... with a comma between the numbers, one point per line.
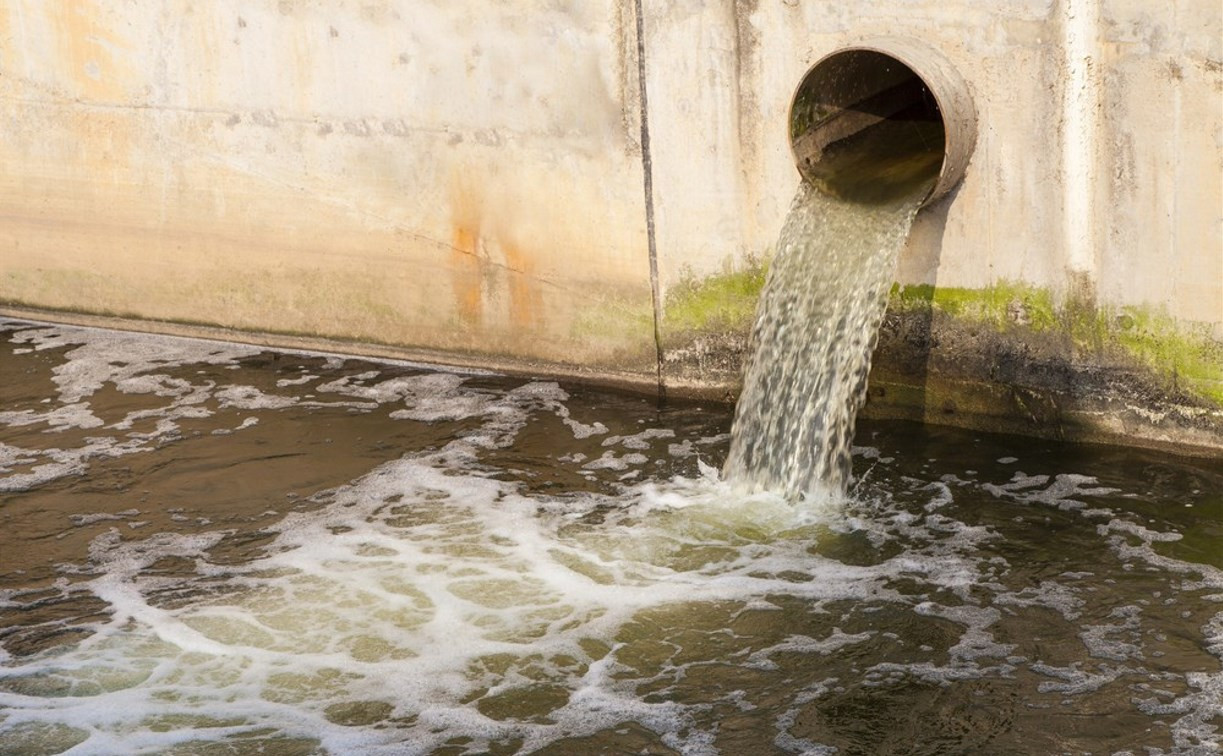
x=879, y=122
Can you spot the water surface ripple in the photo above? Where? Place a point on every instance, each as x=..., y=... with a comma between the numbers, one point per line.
x=207, y=548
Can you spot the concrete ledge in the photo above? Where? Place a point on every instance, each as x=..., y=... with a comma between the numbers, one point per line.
x=927, y=369
x=636, y=383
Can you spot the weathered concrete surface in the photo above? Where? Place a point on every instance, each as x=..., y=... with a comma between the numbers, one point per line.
x=1097, y=180
x=1009, y=361
x=1008, y=220
x=409, y=173
x=471, y=180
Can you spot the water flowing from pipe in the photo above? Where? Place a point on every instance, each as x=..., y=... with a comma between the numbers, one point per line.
x=816, y=326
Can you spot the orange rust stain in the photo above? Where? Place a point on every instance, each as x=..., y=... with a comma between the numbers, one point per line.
x=466, y=276
x=525, y=300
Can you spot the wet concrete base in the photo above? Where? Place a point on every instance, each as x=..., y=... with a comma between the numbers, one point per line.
x=935, y=368
x=928, y=366
x=633, y=375
x=932, y=367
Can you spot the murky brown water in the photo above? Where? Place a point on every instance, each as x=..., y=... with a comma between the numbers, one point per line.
x=205, y=548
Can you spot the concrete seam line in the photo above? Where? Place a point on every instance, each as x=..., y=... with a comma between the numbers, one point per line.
x=647, y=170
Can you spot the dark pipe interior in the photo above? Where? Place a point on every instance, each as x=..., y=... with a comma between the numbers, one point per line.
x=866, y=128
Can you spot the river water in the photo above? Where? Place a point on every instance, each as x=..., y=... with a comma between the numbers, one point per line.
x=207, y=548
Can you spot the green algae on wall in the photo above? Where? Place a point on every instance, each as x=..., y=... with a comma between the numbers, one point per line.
x=1188, y=354
x=1185, y=355
x=1005, y=304
x=722, y=302
x=706, y=322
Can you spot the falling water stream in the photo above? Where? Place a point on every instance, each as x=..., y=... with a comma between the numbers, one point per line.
x=815, y=330
x=210, y=549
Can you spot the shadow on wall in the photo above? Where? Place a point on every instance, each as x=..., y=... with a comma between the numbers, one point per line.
x=898, y=383
x=939, y=362
x=1014, y=358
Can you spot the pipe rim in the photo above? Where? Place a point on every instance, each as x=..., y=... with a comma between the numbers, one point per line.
x=951, y=94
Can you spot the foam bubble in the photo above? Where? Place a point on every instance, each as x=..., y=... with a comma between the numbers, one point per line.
x=12, y=456
x=639, y=440
x=300, y=381
x=1056, y=494
x=251, y=398
x=99, y=357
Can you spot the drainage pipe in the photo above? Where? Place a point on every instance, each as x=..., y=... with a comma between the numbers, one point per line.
x=883, y=120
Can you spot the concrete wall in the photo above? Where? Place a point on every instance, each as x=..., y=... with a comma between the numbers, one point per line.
x=1118, y=183
x=475, y=179
x=457, y=176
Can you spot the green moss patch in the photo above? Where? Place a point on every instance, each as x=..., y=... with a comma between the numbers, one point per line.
x=1186, y=355
x=723, y=302
x=1003, y=305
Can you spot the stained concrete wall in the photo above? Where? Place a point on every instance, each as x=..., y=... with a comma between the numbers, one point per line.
x=1149, y=170
x=448, y=175
x=486, y=180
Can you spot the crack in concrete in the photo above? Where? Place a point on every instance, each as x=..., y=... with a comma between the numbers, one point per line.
x=647, y=167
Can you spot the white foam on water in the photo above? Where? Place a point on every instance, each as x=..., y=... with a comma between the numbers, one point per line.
x=1199, y=712
x=441, y=397
x=1059, y=493
x=806, y=645
x=65, y=462
x=130, y=362
x=1073, y=681
x=251, y=398
x=977, y=641
x=99, y=357
x=134, y=363
x=786, y=721
x=609, y=461
x=1063, y=599
x=1101, y=642
x=422, y=593
x=77, y=415
x=300, y=381
x=639, y=440
x=11, y=456
x=430, y=599
x=90, y=519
